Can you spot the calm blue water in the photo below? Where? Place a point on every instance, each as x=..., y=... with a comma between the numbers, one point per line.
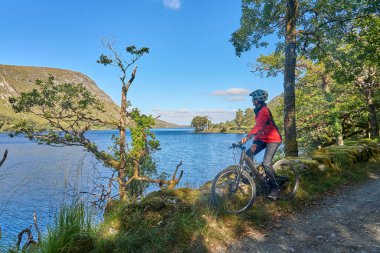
x=37, y=178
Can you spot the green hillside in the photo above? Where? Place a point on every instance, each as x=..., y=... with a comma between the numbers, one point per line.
x=17, y=79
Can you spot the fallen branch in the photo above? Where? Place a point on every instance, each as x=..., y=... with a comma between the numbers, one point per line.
x=30, y=238
x=171, y=184
x=4, y=157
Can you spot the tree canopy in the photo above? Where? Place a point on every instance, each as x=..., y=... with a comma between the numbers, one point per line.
x=200, y=123
x=311, y=29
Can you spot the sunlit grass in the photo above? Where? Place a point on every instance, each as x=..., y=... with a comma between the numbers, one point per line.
x=72, y=231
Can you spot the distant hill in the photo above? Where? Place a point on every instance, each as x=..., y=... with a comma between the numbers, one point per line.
x=17, y=79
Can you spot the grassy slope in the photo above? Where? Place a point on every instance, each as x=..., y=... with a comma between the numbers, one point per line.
x=183, y=220
x=16, y=79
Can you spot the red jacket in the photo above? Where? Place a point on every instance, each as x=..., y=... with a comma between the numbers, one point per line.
x=265, y=130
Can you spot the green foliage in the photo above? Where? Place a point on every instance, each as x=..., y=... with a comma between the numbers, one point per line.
x=316, y=20
x=239, y=118
x=200, y=123
x=104, y=60
x=249, y=117
x=132, y=50
x=325, y=108
x=163, y=221
x=135, y=162
x=269, y=65
x=345, y=164
x=69, y=108
x=242, y=123
x=22, y=79
x=259, y=19
x=352, y=55
x=140, y=131
x=72, y=232
x=52, y=100
x=144, y=144
x=116, y=61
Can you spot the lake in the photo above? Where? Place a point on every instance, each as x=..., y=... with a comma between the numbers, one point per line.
x=37, y=178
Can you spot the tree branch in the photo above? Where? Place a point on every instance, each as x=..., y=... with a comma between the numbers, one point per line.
x=30, y=240
x=4, y=157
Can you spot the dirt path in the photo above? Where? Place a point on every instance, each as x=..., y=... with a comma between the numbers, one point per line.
x=346, y=222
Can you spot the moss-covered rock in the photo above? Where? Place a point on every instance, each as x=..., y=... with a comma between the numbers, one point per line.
x=83, y=242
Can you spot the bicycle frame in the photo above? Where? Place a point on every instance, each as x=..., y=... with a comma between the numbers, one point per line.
x=253, y=168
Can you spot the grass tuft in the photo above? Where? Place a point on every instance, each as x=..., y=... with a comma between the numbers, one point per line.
x=72, y=232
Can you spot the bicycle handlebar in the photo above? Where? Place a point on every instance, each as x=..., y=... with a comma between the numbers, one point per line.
x=238, y=145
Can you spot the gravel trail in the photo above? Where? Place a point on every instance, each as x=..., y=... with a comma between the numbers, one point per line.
x=348, y=221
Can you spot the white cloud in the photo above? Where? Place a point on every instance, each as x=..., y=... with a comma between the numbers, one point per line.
x=184, y=116
x=172, y=4
x=231, y=92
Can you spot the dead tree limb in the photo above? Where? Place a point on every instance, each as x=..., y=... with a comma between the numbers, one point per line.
x=171, y=184
x=4, y=157
x=30, y=240
x=174, y=181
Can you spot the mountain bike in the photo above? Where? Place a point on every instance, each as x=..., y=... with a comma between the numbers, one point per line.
x=235, y=188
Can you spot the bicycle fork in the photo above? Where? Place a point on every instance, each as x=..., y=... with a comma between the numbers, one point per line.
x=239, y=174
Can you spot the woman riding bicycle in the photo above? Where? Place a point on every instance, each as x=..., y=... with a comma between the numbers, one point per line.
x=266, y=136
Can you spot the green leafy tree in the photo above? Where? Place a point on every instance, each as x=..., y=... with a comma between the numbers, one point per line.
x=200, y=123
x=302, y=24
x=327, y=110
x=355, y=60
x=239, y=118
x=312, y=77
x=70, y=110
x=249, y=117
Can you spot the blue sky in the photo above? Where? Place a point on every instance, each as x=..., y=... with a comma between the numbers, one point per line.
x=191, y=68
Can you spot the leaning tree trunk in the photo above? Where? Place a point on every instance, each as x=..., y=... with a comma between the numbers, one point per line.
x=372, y=113
x=122, y=174
x=122, y=142
x=291, y=147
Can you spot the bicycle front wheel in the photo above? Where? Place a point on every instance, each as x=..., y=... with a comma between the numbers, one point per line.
x=232, y=196
x=287, y=177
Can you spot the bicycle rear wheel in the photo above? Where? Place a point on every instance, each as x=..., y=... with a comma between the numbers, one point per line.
x=230, y=197
x=287, y=177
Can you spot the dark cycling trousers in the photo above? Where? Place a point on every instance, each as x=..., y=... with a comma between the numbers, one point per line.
x=270, y=151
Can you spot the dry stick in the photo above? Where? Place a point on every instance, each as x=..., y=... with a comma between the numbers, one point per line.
x=30, y=238
x=175, y=172
x=170, y=183
x=173, y=183
x=38, y=230
x=4, y=157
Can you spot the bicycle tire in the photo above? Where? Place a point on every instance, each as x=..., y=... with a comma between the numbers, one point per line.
x=284, y=168
x=223, y=197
